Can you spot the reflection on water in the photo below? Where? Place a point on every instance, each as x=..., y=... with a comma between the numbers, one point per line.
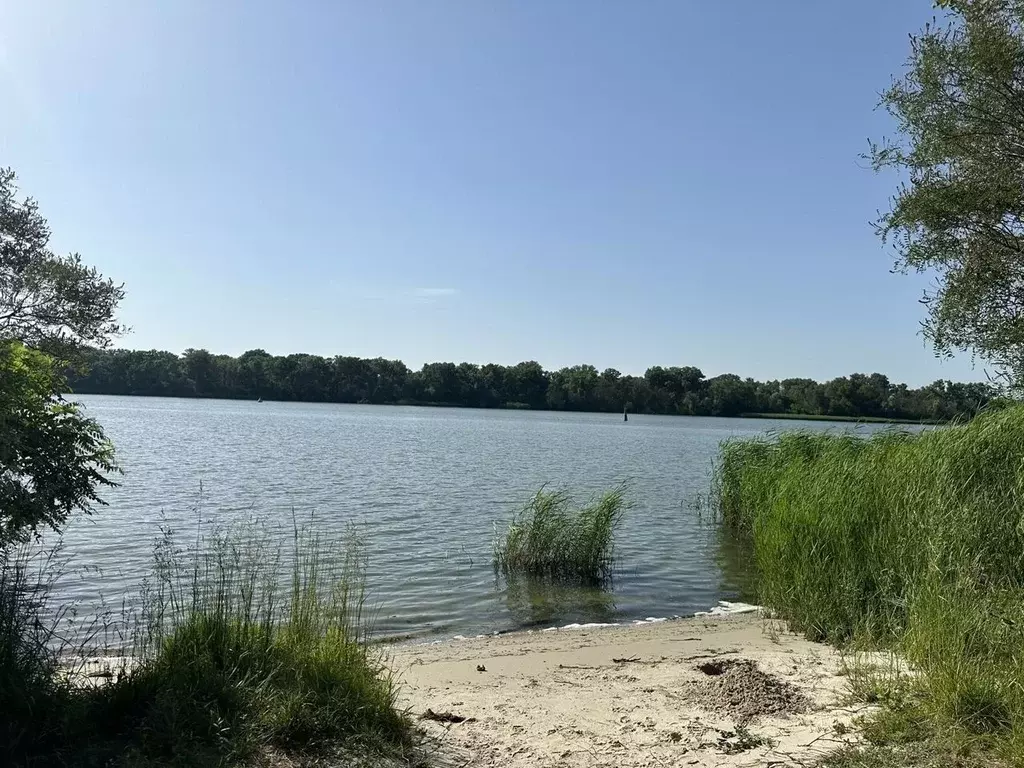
x=735, y=558
x=545, y=602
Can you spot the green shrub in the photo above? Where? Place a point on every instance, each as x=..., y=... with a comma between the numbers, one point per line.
x=914, y=541
x=549, y=538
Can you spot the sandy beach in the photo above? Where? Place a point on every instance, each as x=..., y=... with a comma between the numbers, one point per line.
x=709, y=691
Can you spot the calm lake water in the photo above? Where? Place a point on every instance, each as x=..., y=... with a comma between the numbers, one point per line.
x=426, y=486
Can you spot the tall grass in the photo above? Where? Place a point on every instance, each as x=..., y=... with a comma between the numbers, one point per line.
x=33, y=695
x=915, y=541
x=550, y=538
x=226, y=653
x=228, y=666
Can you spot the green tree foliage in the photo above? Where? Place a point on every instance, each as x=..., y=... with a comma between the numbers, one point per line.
x=53, y=459
x=48, y=301
x=959, y=213
x=675, y=390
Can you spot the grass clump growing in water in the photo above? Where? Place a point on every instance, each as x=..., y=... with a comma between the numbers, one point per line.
x=909, y=541
x=550, y=538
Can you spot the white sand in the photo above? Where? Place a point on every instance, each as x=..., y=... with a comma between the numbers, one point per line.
x=558, y=698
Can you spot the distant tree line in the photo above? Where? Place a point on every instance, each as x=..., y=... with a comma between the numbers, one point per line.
x=685, y=391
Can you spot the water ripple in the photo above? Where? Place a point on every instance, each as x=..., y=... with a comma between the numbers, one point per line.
x=426, y=486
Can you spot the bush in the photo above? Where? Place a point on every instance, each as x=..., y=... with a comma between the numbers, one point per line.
x=549, y=538
x=914, y=541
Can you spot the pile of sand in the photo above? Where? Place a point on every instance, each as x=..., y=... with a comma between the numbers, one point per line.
x=740, y=690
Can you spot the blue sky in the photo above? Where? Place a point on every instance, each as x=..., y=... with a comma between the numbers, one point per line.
x=624, y=184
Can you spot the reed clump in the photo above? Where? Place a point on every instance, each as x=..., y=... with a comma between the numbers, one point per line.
x=550, y=537
x=909, y=541
x=230, y=665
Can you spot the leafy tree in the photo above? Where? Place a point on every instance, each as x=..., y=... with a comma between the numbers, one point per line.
x=678, y=390
x=199, y=367
x=494, y=385
x=469, y=386
x=352, y=380
x=609, y=395
x=573, y=388
x=391, y=381
x=960, y=213
x=254, y=367
x=48, y=301
x=53, y=460
x=440, y=382
x=529, y=382
x=840, y=398
x=731, y=396
x=769, y=398
x=803, y=396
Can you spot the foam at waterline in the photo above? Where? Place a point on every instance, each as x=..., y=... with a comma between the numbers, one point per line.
x=724, y=608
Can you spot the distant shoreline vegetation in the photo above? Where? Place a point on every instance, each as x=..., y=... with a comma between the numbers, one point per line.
x=855, y=419
x=527, y=386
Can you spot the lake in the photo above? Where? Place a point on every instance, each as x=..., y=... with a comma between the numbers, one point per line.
x=426, y=488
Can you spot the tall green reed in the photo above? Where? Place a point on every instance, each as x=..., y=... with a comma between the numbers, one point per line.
x=235, y=661
x=548, y=537
x=915, y=541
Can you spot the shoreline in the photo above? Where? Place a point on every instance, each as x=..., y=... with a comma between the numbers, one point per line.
x=112, y=658
x=729, y=687
x=716, y=690
x=722, y=608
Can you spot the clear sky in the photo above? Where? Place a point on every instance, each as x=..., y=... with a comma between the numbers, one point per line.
x=619, y=183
